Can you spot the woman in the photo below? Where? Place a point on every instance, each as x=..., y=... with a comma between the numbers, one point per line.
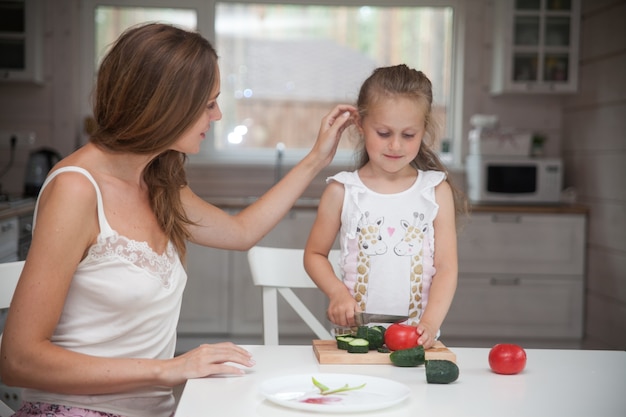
x=92, y=326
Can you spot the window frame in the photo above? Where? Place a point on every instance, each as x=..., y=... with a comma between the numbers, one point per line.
x=206, y=11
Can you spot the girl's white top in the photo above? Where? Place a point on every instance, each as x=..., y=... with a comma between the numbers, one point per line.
x=387, y=242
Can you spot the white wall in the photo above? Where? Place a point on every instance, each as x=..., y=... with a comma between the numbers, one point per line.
x=49, y=110
x=52, y=110
x=586, y=128
x=594, y=148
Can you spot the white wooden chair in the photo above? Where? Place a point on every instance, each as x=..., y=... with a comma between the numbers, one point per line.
x=9, y=275
x=277, y=271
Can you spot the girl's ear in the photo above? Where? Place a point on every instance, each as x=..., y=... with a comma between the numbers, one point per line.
x=358, y=122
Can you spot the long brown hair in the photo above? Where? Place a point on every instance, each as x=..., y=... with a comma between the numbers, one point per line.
x=151, y=87
x=400, y=80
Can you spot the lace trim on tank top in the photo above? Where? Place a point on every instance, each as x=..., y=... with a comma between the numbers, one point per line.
x=137, y=253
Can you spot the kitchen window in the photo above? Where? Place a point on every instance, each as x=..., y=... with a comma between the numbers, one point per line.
x=284, y=64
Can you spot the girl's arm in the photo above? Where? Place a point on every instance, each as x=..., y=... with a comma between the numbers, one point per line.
x=323, y=233
x=216, y=228
x=446, y=263
x=67, y=225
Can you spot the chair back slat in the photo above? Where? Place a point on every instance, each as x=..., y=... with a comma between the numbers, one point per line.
x=279, y=270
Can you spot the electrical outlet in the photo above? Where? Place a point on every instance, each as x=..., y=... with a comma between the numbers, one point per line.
x=11, y=396
x=23, y=139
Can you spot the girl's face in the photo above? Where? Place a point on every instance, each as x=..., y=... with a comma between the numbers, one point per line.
x=393, y=132
x=189, y=142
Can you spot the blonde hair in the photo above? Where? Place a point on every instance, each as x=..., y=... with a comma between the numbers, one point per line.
x=151, y=87
x=400, y=80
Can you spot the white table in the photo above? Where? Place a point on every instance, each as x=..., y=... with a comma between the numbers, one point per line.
x=555, y=383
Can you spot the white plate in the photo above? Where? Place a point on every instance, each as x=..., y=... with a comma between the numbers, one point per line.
x=298, y=391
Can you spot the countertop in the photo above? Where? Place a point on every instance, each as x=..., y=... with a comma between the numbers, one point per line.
x=555, y=382
x=312, y=203
x=22, y=206
x=530, y=209
x=243, y=202
x=16, y=207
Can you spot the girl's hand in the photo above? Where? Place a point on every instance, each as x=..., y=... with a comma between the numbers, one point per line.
x=206, y=360
x=341, y=309
x=425, y=335
x=331, y=129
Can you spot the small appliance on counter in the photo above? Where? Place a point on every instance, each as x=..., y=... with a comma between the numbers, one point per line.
x=487, y=138
x=511, y=180
x=40, y=162
x=500, y=169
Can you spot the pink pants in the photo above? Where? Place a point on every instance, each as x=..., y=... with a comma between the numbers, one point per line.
x=52, y=410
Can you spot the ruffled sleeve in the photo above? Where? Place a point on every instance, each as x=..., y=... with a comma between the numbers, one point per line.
x=430, y=180
x=351, y=212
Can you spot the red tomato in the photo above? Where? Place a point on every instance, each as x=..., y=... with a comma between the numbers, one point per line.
x=507, y=359
x=400, y=336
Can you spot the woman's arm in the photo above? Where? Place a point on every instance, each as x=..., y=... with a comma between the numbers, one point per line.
x=446, y=264
x=216, y=228
x=342, y=305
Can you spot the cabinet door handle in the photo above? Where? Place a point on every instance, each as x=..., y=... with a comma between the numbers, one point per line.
x=506, y=218
x=505, y=281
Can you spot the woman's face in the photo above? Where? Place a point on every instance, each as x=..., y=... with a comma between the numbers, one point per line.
x=189, y=142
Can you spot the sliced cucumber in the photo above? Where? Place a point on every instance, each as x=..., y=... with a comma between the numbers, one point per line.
x=342, y=341
x=358, y=345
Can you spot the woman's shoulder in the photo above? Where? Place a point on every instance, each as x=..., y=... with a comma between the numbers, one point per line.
x=68, y=187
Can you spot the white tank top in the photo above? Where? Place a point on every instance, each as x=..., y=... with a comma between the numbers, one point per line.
x=387, y=244
x=124, y=302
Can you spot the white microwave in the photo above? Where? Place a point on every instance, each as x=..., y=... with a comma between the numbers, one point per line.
x=510, y=180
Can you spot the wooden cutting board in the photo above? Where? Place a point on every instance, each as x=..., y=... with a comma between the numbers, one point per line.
x=327, y=352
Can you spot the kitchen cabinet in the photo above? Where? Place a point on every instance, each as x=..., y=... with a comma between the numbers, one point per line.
x=16, y=219
x=21, y=40
x=221, y=298
x=9, y=246
x=535, y=46
x=521, y=275
x=205, y=306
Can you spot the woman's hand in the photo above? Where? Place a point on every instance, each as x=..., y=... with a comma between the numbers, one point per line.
x=331, y=129
x=206, y=360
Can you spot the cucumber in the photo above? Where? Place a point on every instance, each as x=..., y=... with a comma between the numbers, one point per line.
x=383, y=349
x=342, y=341
x=408, y=357
x=375, y=337
x=440, y=371
x=361, y=332
x=382, y=329
x=358, y=345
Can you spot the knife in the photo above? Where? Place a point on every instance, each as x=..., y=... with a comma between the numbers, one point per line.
x=362, y=319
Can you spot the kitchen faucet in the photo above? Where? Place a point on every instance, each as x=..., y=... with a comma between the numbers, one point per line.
x=278, y=167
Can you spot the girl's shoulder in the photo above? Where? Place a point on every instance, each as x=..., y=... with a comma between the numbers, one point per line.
x=431, y=178
x=345, y=177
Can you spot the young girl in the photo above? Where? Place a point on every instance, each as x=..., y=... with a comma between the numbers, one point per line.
x=91, y=330
x=395, y=214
